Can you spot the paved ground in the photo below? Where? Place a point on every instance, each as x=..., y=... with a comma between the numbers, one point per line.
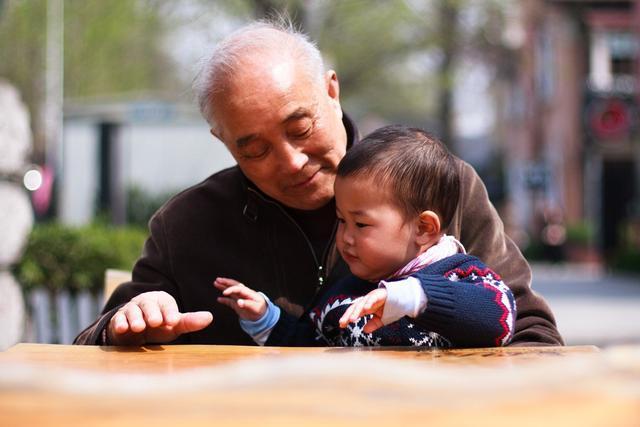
x=591, y=306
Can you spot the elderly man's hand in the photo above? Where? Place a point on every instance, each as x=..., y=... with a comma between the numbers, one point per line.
x=153, y=318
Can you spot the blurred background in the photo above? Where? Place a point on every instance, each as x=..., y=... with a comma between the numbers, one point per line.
x=98, y=128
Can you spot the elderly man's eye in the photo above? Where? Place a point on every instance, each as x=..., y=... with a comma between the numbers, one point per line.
x=302, y=133
x=256, y=153
x=300, y=128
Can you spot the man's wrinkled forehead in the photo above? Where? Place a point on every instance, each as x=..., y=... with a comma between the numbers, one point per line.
x=274, y=69
x=261, y=98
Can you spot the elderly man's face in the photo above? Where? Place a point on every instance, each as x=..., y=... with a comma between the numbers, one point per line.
x=284, y=129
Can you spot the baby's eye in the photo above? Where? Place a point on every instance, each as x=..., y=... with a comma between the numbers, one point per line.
x=361, y=225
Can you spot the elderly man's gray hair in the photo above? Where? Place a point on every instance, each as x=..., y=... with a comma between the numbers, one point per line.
x=279, y=36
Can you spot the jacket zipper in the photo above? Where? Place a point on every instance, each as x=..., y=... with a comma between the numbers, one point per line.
x=319, y=267
x=322, y=273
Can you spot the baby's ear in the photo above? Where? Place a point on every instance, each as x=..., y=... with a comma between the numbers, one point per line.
x=428, y=228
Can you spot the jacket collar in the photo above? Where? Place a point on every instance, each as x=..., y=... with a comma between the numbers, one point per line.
x=353, y=135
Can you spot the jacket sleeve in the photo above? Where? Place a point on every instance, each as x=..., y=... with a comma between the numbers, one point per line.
x=291, y=331
x=471, y=307
x=477, y=225
x=152, y=272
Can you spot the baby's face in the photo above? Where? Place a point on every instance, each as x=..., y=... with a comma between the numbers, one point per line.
x=374, y=237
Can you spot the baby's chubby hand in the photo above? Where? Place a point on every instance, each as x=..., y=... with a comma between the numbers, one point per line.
x=247, y=303
x=372, y=303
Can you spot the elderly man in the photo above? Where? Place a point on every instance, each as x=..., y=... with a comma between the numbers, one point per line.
x=270, y=221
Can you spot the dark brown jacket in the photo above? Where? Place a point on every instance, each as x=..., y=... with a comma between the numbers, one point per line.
x=225, y=227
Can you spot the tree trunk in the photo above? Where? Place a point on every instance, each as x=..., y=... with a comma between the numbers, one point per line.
x=448, y=30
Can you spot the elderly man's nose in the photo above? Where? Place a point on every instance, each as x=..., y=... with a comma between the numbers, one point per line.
x=292, y=158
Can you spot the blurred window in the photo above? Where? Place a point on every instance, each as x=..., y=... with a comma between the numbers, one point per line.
x=623, y=50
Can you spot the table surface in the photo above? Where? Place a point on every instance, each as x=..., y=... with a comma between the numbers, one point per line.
x=220, y=385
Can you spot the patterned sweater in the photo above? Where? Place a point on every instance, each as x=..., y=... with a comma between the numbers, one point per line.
x=468, y=305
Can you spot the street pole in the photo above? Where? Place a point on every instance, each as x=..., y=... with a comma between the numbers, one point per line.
x=54, y=86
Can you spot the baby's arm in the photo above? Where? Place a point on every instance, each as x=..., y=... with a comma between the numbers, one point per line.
x=470, y=306
x=263, y=320
x=258, y=315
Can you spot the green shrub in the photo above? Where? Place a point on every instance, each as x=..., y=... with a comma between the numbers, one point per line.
x=141, y=205
x=627, y=259
x=534, y=251
x=627, y=255
x=580, y=233
x=63, y=257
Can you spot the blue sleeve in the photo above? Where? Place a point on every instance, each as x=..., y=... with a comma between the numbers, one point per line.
x=469, y=305
x=259, y=330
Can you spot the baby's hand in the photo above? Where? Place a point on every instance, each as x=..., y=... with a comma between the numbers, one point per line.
x=246, y=302
x=372, y=303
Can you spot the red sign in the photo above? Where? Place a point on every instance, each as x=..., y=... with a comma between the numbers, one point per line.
x=610, y=118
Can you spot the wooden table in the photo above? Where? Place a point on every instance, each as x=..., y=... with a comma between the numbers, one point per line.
x=228, y=385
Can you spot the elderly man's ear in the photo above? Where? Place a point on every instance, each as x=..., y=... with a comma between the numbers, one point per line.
x=333, y=89
x=428, y=230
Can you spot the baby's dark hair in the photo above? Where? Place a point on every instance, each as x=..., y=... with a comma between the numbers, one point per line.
x=417, y=169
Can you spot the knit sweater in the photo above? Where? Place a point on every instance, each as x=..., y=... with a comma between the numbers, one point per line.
x=468, y=305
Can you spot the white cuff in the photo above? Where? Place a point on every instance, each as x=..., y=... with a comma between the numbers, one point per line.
x=404, y=298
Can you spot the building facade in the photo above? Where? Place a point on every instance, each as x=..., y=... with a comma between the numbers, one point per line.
x=569, y=123
x=112, y=147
